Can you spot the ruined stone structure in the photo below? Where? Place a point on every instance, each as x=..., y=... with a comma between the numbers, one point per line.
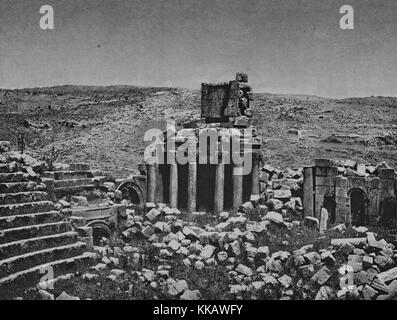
x=35, y=237
x=211, y=179
x=351, y=192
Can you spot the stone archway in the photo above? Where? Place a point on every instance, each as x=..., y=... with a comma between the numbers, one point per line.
x=100, y=229
x=132, y=192
x=358, y=206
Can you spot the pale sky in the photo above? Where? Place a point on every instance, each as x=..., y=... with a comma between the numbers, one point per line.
x=285, y=46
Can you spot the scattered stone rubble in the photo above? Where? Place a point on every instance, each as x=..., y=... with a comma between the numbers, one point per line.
x=255, y=249
x=359, y=267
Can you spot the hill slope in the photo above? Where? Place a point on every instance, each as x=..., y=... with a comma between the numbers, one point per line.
x=105, y=125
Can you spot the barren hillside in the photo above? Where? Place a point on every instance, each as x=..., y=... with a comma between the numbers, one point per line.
x=105, y=125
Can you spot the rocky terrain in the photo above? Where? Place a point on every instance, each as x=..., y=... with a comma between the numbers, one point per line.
x=104, y=126
x=265, y=250
x=253, y=254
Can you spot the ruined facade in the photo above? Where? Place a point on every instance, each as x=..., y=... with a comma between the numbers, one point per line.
x=351, y=192
x=212, y=178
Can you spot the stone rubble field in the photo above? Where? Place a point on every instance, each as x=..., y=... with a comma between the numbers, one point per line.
x=265, y=250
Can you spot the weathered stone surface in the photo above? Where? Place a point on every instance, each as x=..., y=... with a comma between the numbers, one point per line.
x=274, y=217
x=153, y=214
x=79, y=200
x=176, y=287
x=244, y=270
x=388, y=275
x=282, y=194
x=321, y=276
x=324, y=293
x=274, y=204
x=191, y=295
x=207, y=251
x=369, y=293
x=285, y=281
x=327, y=257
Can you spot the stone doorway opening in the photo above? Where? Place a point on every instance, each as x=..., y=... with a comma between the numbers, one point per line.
x=131, y=192
x=358, y=206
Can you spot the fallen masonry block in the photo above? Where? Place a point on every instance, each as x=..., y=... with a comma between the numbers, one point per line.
x=244, y=270
x=285, y=281
x=191, y=295
x=369, y=293
x=340, y=227
x=274, y=217
x=327, y=257
x=282, y=194
x=80, y=201
x=274, y=204
x=153, y=214
x=321, y=276
x=388, y=275
x=353, y=241
x=293, y=184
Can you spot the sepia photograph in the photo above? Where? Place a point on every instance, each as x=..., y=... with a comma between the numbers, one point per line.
x=216, y=152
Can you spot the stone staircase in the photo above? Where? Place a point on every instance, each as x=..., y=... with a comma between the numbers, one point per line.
x=35, y=240
x=74, y=179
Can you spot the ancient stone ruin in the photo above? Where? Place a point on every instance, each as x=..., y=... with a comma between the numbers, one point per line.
x=351, y=192
x=263, y=227
x=214, y=180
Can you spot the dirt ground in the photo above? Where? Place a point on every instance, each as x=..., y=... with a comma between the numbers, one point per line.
x=105, y=125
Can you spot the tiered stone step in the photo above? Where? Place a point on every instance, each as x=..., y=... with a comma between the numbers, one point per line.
x=27, y=232
x=34, y=238
x=29, y=219
x=76, y=178
x=15, y=187
x=35, y=258
x=12, y=177
x=26, y=208
x=21, y=247
x=35, y=274
x=67, y=175
x=62, y=184
x=23, y=197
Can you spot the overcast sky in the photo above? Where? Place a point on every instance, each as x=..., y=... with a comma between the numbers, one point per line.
x=286, y=46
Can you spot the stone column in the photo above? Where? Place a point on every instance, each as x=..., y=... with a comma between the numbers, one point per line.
x=255, y=175
x=341, y=199
x=151, y=182
x=308, y=191
x=219, y=187
x=173, y=185
x=237, y=186
x=192, y=186
x=160, y=184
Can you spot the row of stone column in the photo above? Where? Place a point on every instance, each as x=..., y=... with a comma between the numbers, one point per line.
x=155, y=185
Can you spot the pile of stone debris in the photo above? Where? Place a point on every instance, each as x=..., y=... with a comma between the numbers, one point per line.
x=330, y=267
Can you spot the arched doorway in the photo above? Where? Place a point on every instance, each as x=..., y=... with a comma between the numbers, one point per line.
x=100, y=229
x=358, y=206
x=132, y=192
